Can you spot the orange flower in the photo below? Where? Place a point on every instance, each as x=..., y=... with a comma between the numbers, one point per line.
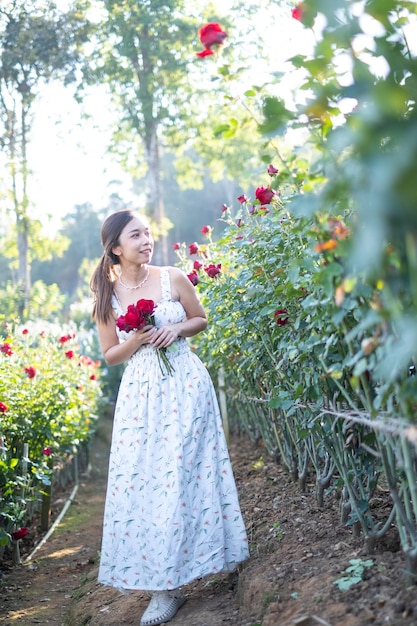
x=331, y=244
x=338, y=228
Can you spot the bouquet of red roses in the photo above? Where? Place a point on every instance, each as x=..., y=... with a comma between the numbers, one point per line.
x=135, y=318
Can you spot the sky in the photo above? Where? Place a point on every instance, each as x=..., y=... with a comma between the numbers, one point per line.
x=68, y=154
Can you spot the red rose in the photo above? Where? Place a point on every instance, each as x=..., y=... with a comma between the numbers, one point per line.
x=137, y=315
x=3, y=407
x=242, y=199
x=193, y=248
x=93, y=377
x=176, y=246
x=69, y=354
x=206, y=230
x=272, y=170
x=64, y=338
x=6, y=348
x=146, y=307
x=210, y=35
x=131, y=320
x=264, y=194
x=193, y=278
x=25, y=331
x=297, y=12
x=281, y=317
x=213, y=270
x=19, y=533
x=47, y=451
x=30, y=371
x=197, y=265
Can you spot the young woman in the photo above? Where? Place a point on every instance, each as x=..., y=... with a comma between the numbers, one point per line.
x=172, y=513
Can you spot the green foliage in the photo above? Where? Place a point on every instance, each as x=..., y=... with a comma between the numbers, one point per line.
x=38, y=43
x=81, y=228
x=46, y=302
x=354, y=573
x=296, y=330
x=49, y=399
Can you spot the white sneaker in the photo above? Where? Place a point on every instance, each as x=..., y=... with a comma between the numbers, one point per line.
x=162, y=607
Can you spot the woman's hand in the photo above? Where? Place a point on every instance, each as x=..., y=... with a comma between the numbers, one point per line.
x=164, y=336
x=144, y=335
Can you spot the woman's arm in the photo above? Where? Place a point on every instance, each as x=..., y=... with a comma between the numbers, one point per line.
x=195, y=320
x=115, y=352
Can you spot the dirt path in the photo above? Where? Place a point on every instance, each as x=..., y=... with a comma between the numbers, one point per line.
x=298, y=551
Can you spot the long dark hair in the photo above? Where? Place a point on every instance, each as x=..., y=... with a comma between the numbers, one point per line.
x=104, y=275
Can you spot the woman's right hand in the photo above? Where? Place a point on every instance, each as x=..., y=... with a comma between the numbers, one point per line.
x=144, y=335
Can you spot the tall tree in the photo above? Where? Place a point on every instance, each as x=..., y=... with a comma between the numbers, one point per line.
x=38, y=43
x=82, y=229
x=144, y=55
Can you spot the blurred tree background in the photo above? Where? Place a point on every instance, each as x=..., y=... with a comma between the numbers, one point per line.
x=168, y=112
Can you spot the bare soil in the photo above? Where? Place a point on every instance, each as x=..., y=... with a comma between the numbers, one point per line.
x=297, y=552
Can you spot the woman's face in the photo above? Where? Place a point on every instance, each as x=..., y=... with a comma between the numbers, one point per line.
x=135, y=243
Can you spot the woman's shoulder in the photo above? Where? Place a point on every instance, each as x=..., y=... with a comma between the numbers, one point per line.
x=173, y=271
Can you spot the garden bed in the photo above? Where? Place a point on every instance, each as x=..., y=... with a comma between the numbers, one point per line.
x=298, y=552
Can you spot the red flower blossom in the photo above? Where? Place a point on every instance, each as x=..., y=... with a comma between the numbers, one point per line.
x=3, y=407
x=6, y=348
x=193, y=248
x=239, y=223
x=298, y=12
x=213, y=270
x=224, y=208
x=93, y=377
x=47, y=451
x=197, y=265
x=210, y=35
x=137, y=316
x=193, y=278
x=242, y=199
x=64, y=338
x=19, y=533
x=281, y=317
x=206, y=230
x=86, y=360
x=25, y=331
x=69, y=354
x=272, y=170
x=176, y=246
x=264, y=194
x=30, y=371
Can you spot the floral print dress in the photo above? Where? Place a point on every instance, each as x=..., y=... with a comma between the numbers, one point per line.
x=172, y=513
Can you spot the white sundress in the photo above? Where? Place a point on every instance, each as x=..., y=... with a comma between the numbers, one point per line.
x=172, y=512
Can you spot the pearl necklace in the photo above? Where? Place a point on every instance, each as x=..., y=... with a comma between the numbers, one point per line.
x=136, y=286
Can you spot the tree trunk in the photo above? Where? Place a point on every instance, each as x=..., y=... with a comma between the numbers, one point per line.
x=22, y=220
x=154, y=199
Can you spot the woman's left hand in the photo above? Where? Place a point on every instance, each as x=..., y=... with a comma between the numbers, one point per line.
x=164, y=336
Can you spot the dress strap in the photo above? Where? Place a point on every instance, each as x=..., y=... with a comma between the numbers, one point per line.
x=115, y=303
x=165, y=284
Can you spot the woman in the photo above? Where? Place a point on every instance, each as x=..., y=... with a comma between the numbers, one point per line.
x=172, y=513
